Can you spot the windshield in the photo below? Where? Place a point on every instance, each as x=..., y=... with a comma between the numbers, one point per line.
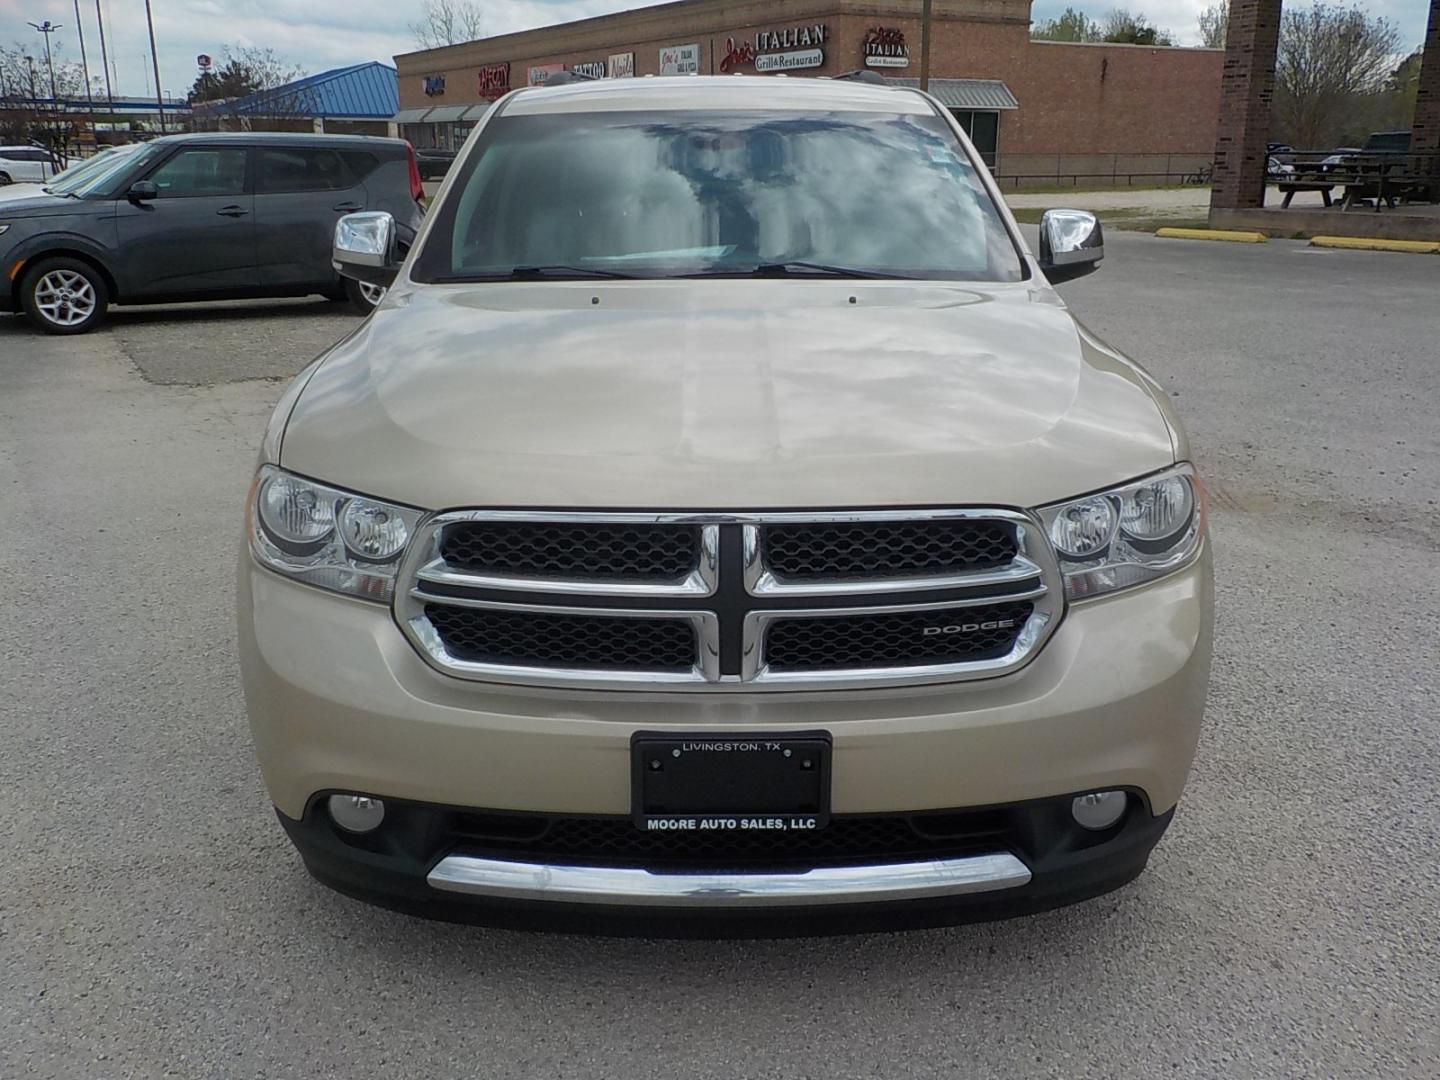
x=672, y=194
x=94, y=174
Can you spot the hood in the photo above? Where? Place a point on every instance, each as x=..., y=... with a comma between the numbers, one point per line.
x=724, y=395
x=10, y=193
x=36, y=202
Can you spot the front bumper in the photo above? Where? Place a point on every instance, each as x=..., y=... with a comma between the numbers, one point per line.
x=464, y=866
x=340, y=701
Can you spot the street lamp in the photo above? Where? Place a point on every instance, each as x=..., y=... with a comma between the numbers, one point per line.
x=47, y=28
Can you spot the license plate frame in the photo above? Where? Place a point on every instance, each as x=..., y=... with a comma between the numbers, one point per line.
x=731, y=782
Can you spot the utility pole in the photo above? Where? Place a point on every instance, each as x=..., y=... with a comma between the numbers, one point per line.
x=155, y=61
x=925, y=47
x=85, y=67
x=105, y=63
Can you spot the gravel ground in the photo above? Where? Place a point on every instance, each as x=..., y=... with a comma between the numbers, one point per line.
x=154, y=922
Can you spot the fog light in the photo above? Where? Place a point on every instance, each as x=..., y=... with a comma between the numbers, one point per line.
x=1098, y=810
x=359, y=813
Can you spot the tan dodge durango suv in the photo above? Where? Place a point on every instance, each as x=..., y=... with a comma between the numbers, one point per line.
x=722, y=525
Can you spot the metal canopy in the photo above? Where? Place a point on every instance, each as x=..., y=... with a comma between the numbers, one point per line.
x=444, y=114
x=411, y=116
x=967, y=93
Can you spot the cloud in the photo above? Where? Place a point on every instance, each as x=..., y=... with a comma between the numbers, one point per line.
x=1180, y=16
x=319, y=36
x=312, y=36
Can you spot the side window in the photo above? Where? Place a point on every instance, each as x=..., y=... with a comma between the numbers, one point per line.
x=201, y=171
x=362, y=163
x=299, y=170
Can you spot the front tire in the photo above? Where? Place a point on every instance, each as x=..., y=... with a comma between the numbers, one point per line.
x=64, y=296
x=363, y=297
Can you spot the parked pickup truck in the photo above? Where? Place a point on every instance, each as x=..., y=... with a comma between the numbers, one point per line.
x=722, y=525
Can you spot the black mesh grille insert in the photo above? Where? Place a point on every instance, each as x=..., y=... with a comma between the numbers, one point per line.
x=617, y=841
x=902, y=639
x=573, y=550
x=546, y=639
x=887, y=548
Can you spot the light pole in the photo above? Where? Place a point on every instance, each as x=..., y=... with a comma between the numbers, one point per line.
x=85, y=66
x=105, y=63
x=47, y=28
x=155, y=62
x=925, y=47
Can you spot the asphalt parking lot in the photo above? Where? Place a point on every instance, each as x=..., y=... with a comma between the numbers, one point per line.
x=155, y=922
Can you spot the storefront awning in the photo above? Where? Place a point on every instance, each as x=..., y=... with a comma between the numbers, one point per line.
x=446, y=114
x=475, y=112
x=410, y=116
x=967, y=93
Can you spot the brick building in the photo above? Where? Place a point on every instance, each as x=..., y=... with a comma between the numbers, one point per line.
x=1035, y=109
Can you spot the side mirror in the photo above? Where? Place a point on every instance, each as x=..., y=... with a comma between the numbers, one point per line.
x=1072, y=243
x=142, y=191
x=365, y=247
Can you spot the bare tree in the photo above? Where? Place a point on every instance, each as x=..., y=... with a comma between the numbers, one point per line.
x=1333, y=63
x=24, y=82
x=1214, y=25
x=446, y=22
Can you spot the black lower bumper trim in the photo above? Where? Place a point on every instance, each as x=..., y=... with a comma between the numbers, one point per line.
x=1067, y=865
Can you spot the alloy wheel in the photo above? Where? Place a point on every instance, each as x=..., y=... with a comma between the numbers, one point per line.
x=65, y=297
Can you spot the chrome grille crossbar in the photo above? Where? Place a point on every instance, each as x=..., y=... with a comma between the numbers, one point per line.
x=732, y=601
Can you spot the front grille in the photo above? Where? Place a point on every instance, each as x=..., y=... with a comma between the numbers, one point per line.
x=895, y=639
x=813, y=551
x=566, y=550
x=715, y=601
x=617, y=841
x=549, y=639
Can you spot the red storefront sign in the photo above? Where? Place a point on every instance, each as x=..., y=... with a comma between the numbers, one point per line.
x=494, y=81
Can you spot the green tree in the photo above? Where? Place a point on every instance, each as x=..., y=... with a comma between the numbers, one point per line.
x=246, y=70
x=1070, y=26
x=1125, y=27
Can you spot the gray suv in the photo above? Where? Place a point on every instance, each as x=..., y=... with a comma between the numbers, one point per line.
x=200, y=217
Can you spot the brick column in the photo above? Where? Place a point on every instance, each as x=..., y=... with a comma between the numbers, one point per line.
x=1426, y=127
x=1246, y=85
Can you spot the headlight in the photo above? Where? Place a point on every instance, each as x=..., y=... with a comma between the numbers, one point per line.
x=1127, y=536
x=327, y=537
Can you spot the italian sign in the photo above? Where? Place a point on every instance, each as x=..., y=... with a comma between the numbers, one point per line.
x=885, y=47
x=680, y=60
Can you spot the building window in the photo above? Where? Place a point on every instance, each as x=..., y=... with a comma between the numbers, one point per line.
x=984, y=131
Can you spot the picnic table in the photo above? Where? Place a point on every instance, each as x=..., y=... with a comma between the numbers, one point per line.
x=1386, y=178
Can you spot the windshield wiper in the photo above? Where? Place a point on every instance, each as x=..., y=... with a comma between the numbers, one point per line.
x=560, y=270
x=797, y=267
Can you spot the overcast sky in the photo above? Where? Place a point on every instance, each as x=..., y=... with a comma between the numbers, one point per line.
x=316, y=36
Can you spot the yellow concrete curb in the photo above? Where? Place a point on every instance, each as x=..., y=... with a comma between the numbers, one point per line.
x=1376, y=243
x=1212, y=234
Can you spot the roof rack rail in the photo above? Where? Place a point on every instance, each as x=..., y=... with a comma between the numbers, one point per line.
x=565, y=78
x=863, y=75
